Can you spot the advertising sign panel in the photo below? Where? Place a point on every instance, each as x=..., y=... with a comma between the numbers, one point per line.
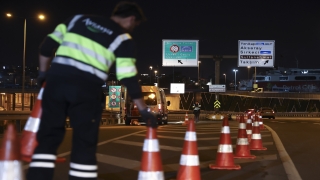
x=177, y=88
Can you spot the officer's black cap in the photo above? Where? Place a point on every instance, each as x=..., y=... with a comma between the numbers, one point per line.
x=125, y=9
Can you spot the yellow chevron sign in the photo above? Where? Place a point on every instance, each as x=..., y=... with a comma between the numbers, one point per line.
x=217, y=104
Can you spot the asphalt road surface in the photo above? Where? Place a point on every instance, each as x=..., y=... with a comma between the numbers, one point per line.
x=301, y=140
x=120, y=149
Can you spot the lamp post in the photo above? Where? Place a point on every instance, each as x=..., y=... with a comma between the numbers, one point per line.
x=225, y=79
x=235, y=79
x=199, y=74
x=41, y=17
x=248, y=72
x=150, y=68
x=155, y=76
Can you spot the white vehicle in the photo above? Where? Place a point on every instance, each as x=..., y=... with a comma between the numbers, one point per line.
x=154, y=98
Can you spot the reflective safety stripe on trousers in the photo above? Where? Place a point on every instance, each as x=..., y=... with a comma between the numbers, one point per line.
x=43, y=161
x=83, y=170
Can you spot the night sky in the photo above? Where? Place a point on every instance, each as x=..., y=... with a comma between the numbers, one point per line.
x=294, y=25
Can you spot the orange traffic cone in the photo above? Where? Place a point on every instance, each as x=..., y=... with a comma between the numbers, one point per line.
x=242, y=148
x=249, y=128
x=10, y=165
x=28, y=139
x=261, y=125
x=151, y=165
x=245, y=116
x=189, y=161
x=238, y=117
x=256, y=142
x=186, y=119
x=224, y=158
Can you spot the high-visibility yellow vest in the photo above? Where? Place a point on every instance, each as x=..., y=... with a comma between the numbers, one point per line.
x=92, y=44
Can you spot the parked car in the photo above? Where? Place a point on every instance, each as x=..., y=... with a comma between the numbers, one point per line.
x=266, y=112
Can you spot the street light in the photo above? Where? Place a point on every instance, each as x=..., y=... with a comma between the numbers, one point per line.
x=225, y=79
x=199, y=73
x=235, y=79
x=41, y=17
x=150, y=68
x=248, y=72
x=155, y=76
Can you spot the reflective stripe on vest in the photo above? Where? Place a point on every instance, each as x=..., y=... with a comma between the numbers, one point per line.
x=73, y=21
x=80, y=66
x=83, y=52
x=58, y=33
x=103, y=61
x=87, y=51
x=125, y=68
x=116, y=43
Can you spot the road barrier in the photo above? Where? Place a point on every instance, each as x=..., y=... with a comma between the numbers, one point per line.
x=19, y=119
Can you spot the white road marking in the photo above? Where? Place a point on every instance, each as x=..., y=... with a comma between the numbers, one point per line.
x=178, y=132
x=289, y=167
x=132, y=164
x=140, y=144
x=135, y=165
x=172, y=148
x=104, y=142
x=101, y=143
x=199, y=139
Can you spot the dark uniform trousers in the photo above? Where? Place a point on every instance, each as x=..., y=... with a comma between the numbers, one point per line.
x=80, y=100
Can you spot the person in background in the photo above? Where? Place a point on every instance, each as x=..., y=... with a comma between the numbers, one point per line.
x=85, y=48
x=196, y=111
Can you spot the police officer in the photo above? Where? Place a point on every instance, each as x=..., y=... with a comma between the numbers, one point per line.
x=196, y=111
x=85, y=47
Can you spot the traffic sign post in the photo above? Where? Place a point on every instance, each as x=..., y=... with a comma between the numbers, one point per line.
x=180, y=53
x=256, y=53
x=216, y=103
x=217, y=88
